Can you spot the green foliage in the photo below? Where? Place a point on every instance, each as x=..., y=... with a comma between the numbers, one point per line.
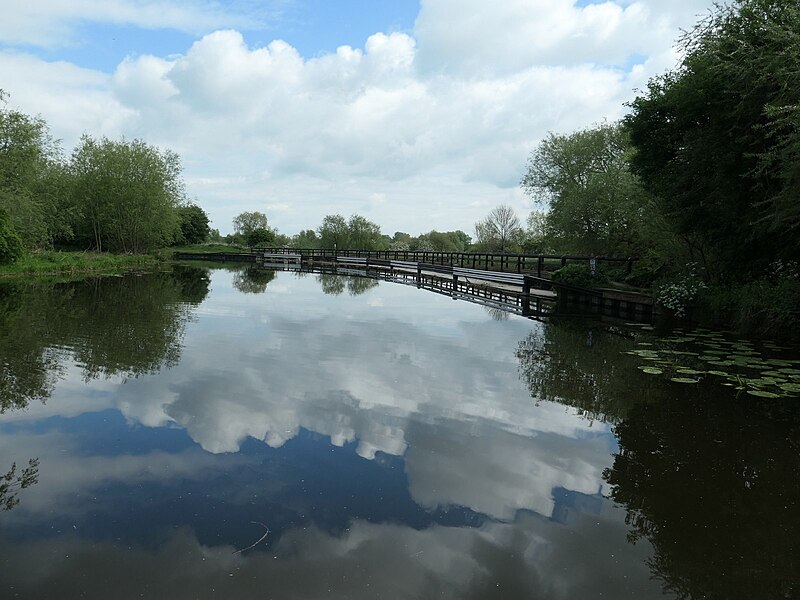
x=596, y=205
x=193, y=224
x=356, y=233
x=678, y=293
x=307, y=238
x=259, y=237
x=333, y=233
x=718, y=138
x=51, y=262
x=364, y=234
x=579, y=276
x=440, y=241
x=246, y=222
x=128, y=194
x=765, y=308
x=32, y=180
x=11, y=247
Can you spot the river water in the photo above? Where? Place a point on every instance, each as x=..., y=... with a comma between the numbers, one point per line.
x=235, y=433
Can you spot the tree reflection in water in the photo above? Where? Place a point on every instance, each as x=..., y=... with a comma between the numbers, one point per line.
x=252, y=280
x=109, y=326
x=711, y=480
x=333, y=285
x=713, y=483
x=12, y=482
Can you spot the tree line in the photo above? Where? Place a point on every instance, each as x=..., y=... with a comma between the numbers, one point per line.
x=701, y=178
x=116, y=195
x=357, y=232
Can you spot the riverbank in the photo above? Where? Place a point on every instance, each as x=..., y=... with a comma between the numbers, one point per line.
x=47, y=263
x=40, y=264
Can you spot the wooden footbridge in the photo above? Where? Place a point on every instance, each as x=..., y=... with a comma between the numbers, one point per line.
x=511, y=282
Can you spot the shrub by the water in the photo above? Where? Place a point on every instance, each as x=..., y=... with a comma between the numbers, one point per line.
x=11, y=247
x=579, y=276
x=765, y=308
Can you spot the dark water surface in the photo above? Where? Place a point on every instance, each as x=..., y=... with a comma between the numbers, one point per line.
x=391, y=443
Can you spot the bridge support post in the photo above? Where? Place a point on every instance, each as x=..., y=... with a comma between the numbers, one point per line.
x=526, y=296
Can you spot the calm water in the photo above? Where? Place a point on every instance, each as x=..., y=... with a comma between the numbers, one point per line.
x=390, y=443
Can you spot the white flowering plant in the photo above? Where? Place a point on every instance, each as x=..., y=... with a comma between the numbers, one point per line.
x=678, y=294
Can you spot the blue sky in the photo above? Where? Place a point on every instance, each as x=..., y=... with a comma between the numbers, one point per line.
x=415, y=114
x=313, y=27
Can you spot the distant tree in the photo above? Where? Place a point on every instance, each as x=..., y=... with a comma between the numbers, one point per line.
x=127, y=194
x=364, y=234
x=536, y=235
x=307, y=238
x=214, y=236
x=334, y=232
x=400, y=236
x=246, y=222
x=260, y=237
x=500, y=231
x=442, y=241
x=193, y=224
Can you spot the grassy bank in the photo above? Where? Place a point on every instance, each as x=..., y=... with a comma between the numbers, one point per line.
x=52, y=263
x=77, y=262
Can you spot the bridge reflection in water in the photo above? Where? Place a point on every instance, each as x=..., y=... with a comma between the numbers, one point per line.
x=522, y=293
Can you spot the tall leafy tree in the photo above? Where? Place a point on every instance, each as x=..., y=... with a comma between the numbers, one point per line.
x=11, y=247
x=193, y=224
x=307, y=238
x=595, y=204
x=248, y=221
x=32, y=181
x=334, y=232
x=128, y=193
x=364, y=234
x=718, y=138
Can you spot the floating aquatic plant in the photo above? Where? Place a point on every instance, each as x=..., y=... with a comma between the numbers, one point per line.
x=746, y=369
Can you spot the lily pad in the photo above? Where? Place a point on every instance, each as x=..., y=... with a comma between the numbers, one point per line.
x=690, y=372
x=763, y=394
x=684, y=380
x=720, y=374
x=651, y=370
x=790, y=371
x=778, y=363
x=792, y=388
x=771, y=373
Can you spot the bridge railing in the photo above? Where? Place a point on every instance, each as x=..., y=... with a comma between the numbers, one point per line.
x=534, y=264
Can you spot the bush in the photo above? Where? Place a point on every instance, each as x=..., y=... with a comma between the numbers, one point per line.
x=11, y=247
x=678, y=293
x=579, y=276
x=766, y=308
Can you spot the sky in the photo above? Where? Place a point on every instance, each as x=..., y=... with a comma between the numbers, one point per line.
x=417, y=114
